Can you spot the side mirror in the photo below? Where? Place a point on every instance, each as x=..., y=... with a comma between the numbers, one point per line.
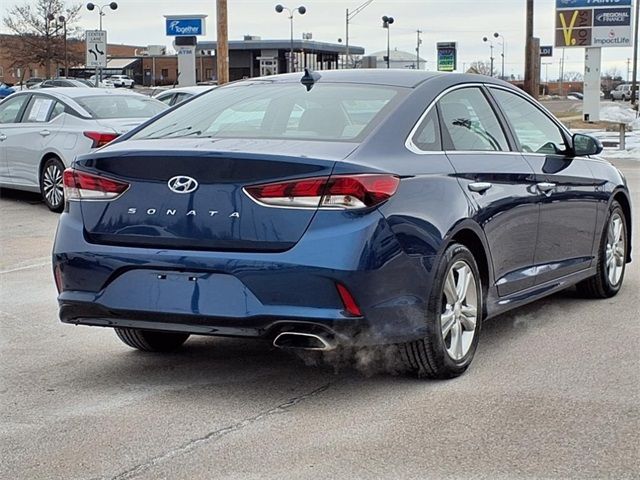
x=585, y=145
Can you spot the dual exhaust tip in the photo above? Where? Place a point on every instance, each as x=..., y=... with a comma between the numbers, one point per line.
x=304, y=341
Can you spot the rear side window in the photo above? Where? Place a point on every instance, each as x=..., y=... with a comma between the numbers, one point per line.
x=121, y=106
x=10, y=108
x=469, y=122
x=427, y=137
x=535, y=131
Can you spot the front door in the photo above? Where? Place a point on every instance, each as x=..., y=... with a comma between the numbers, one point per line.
x=10, y=112
x=499, y=183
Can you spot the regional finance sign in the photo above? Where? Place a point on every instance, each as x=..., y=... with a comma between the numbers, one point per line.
x=594, y=23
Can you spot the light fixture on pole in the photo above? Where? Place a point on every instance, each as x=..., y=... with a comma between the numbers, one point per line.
x=350, y=16
x=386, y=23
x=486, y=40
x=63, y=20
x=503, y=43
x=91, y=7
x=301, y=10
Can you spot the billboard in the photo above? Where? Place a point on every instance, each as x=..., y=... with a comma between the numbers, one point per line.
x=447, y=56
x=185, y=26
x=594, y=23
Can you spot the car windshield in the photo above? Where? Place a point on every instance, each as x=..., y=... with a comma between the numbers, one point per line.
x=336, y=112
x=120, y=106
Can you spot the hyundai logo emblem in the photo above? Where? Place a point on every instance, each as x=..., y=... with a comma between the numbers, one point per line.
x=182, y=184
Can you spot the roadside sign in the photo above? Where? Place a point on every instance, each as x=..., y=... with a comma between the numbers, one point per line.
x=594, y=23
x=546, y=51
x=185, y=26
x=96, y=48
x=447, y=56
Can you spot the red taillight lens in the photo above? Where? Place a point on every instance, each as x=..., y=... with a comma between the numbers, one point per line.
x=100, y=139
x=339, y=191
x=86, y=186
x=348, y=301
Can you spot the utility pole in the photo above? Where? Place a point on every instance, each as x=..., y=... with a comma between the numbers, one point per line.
x=561, y=79
x=634, y=80
x=222, y=50
x=419, y=42
x=529, y=80
x=348, y=17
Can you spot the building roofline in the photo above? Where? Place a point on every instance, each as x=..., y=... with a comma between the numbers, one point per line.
x=308, y=45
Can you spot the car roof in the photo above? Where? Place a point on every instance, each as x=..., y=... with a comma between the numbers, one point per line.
x=194, y=90
x=77, y=92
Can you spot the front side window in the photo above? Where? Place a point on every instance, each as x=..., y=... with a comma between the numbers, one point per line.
x=10, y=108
x=470, y=123
x=535, y=131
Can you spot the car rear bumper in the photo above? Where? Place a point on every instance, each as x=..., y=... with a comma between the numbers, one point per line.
x=250, y=294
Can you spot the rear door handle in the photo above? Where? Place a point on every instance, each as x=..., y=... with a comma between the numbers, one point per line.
x=480, y=187
x=546, y=187
x=45, y=133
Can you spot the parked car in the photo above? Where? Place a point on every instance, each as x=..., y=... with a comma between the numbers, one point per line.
x=6, y=90
x=33, y=81
x=62, y=82
x=104, y=83
x=400, y=207
x=623, y=92
x=179, y=95
x=121, y=81
x=42, y=132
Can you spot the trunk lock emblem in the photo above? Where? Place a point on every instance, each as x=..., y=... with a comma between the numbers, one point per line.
x=182, y=184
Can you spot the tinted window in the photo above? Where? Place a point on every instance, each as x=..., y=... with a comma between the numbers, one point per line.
x=470, y=123
x=10, y=109
x=165, y=98
x=535, y=131
x=121, y=106
x=427, y=136
x=181, y=97
x=38, y=109
x=265, y=110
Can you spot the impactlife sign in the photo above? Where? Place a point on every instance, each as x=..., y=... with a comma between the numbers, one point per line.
x=594, y=23
x=447, y=56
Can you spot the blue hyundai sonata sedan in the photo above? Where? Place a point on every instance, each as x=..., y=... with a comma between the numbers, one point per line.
x=325, y=209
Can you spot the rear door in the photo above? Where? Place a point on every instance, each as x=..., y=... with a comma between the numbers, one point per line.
x=499, y=183
x=565, y=186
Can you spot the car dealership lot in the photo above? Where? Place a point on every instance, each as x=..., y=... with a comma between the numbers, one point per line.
x=554, y=392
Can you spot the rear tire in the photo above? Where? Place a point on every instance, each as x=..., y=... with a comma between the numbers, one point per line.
x=454, y=319
x=612, y=258
x=51, y=186
x=151, y=341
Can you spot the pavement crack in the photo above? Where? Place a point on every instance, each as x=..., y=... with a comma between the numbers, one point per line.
x=215, y=435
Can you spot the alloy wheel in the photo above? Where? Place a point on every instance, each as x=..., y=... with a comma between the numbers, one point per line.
x=615, y=253
x=52, y=185
x=459, y=315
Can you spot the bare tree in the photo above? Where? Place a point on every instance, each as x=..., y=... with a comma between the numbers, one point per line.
x=40, y=31
x=573, y=77
x=481, y=68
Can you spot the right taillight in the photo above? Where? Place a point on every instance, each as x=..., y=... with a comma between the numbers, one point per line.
x=100, y=139
x=335, y=192
x=80, y=185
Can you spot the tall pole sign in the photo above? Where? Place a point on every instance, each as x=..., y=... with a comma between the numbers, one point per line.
x=447, y=56
x=593, y=25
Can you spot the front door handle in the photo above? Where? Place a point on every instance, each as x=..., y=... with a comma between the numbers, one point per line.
x=546, y=187
x=45, y=133
x=3, y=137
x=480, y=187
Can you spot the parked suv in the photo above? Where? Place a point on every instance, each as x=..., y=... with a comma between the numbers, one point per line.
x=623, y=92
x=121, y=81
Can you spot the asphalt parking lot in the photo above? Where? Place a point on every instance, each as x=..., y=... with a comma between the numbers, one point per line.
x=554, y=392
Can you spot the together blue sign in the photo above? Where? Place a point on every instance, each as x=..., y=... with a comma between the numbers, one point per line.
x=591, y=3
x=184, y=27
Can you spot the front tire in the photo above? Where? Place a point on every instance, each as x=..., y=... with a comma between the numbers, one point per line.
x=454, y=318
x=612, y=258
x=151, y=341
x=51, y=185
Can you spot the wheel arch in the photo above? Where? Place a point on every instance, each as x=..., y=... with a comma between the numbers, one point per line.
x=622, y=198
x=44, y=159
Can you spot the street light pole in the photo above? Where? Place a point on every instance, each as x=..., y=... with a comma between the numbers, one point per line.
x=91, y=7
x=634, y=80
x=301, y=10
x=486, y=40
x=386, y=23
x=62, y=19
x=503, y=43
x=349, y=16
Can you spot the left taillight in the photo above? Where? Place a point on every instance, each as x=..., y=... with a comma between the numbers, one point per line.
x=334, y=192
x=100, y=139
x=80, y=185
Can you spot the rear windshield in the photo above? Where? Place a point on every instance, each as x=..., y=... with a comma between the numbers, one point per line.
x=120, y=106
x=337, y=112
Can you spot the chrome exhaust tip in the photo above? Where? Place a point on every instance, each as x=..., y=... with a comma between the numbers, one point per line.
x=303, y=341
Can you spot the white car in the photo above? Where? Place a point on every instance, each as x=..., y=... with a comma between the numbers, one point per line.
x=42, y=132
x=121, y=81
x=104, y=83
x=623, y=92
x=179, y=95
